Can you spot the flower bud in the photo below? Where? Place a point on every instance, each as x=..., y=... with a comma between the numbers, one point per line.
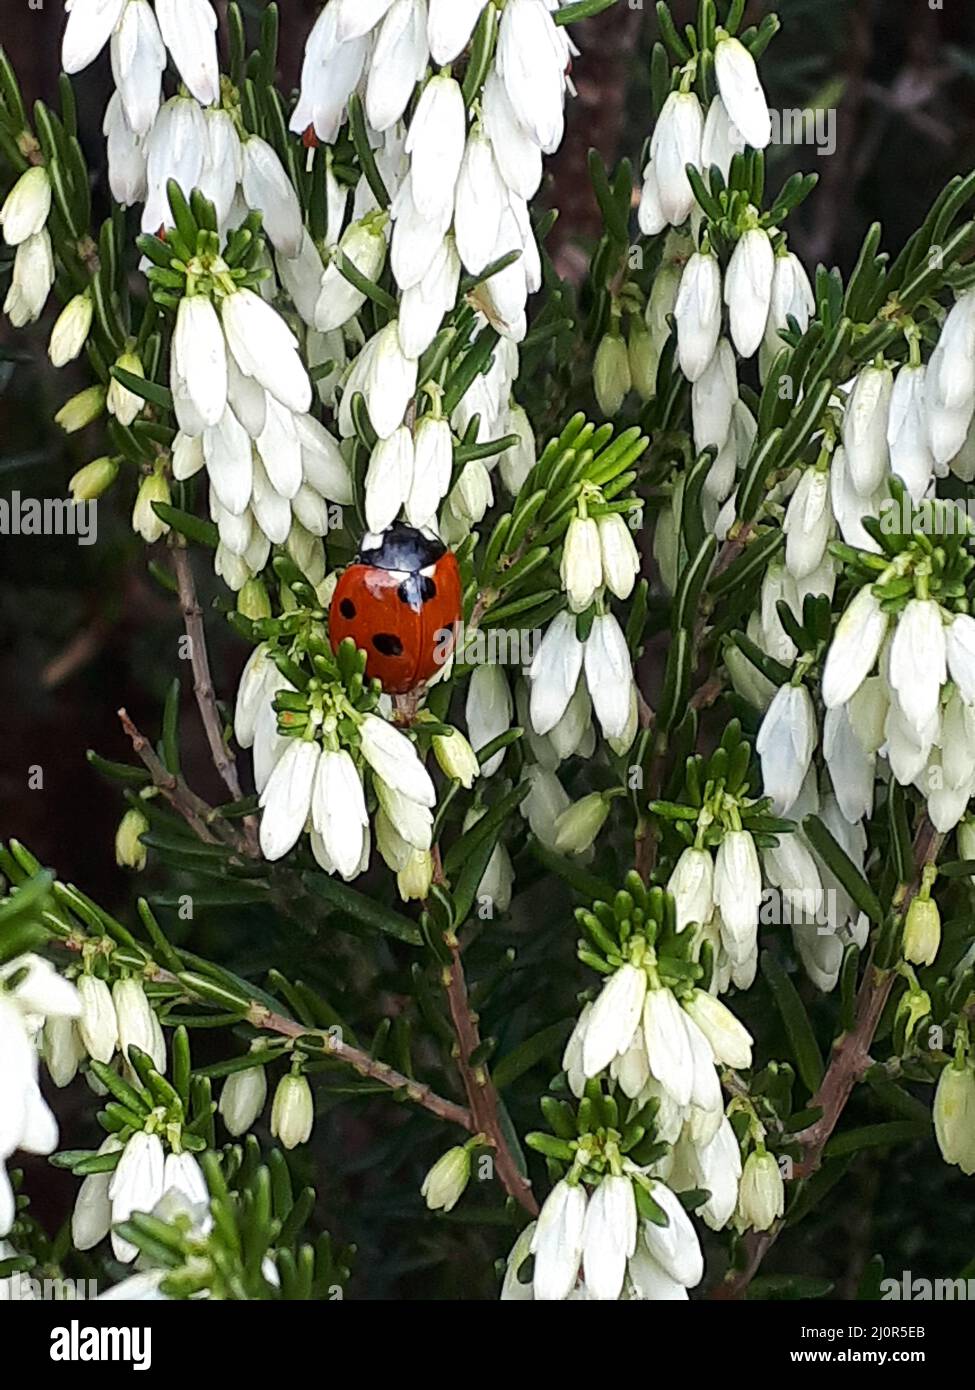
x=730, y=1040
x=293, y=1111
x=954, y=1116
x=124, y=404
x=611, y=374
x=70, y=331
x=447, y=1180
x=922, y=932
x=137, y=1026
x=620, y=558
x=456, y=757
x=98, y=1025
x=130, y=852
x=415, y=879
x=761, y=1197
x=582, y=565
x=93, y=480
x=741, y=90
x=154, y=488
x=81, y=410
x=692, y=887
x=644, y=358
x=253, y=601
x=27, y=205
x=577, y=827
x=243, y=1098
x=63, y=1049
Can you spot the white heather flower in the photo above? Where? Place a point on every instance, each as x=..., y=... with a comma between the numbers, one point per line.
x=609, y=675
x=557, y=1242
x=90, y=23
x=26, y=207
x=456, y=758
x=124, y=404
x=650, y=1283
x=394, y=759
x=447, y=1180
x=189, y=30
x=608, y=1237
x=32, y=279
x=242, y=1099
x=692, y=886
x=183, y=1176
x=286, y=800
x=721, y=140
x=222, y=163
x=911, y=458
x=136, y=1185
x=398, y=62
x=615, y=1018
x=532, y=56
x=432, y=465
x=153, y=488
x=450, y=26
x=126, y=155
x=792, y=297
x=954, y=1116
x=620, y=558
x=176, y=148
x=748, y=289
x=676, y=143
x=390, y=381
x=293, y=1111
x=138, y=60
x=582, y=567
x=518, y=156
x=738, y=891
x=668, y=1045
x=851, y=767
x=855, y=646
x=91, y=1219
x=63, y=1049
x=481, y=199
x=70, y=331
x=98, y=1024
x=730, y=1040
x=265, y=348
x=435, y=144
x=136, y=1022
x=488, y=712
x=741, y=91
x=518, y=462
x=364, y=245
x=698, y=314
x=675, y=1246
x=761, y=1196
x=808, y=522
x=960, y=647
x=555, y=672
x=713, y=398
x=865, y=424
x=389, y=479
x=785, y=744
x=952, y=366
x=338, y=811
x=917, y=665
x=268, y=190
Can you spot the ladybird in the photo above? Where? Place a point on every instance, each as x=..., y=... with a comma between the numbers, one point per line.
x=400, y=602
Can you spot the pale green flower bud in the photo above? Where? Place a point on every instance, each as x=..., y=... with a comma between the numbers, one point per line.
x=130, y=852
x=761, y=1197
x=293, y=1112
x=447, y=1180
x=644, y=358
x=611, y=374
x=243, y=1097
x=70, y=332
x=415, y=879
x=577, y=828
x=922, y=932
x=81, y=410
x=253, y=601
x=25, y=211
x=954, y=1116
x=124, y=404
x=456, y=757
x=154, y=488
x=93, y=480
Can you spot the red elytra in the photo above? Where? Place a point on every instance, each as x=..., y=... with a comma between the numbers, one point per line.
x=400, y=602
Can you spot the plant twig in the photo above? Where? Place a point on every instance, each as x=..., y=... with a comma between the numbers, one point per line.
x=849, y=1061
x=481, y=1094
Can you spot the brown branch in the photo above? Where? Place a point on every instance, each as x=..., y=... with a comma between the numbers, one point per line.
x=203, y=688
x=481, y=1094
x=849, y=1062
x=202, y=819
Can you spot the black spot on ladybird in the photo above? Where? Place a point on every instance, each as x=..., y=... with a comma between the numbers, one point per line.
x=387, y=644
x=347, y=608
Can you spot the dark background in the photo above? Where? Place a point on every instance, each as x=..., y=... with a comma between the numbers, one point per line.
x=87, y=630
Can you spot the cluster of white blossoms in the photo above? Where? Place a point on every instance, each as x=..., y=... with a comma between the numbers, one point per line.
x=32, y=993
